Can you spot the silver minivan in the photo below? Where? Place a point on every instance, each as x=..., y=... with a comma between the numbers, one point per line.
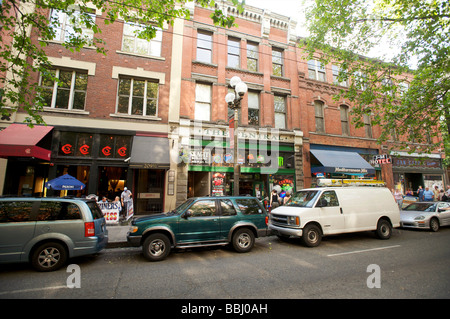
x=48, y=231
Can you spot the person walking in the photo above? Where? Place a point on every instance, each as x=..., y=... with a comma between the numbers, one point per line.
x=274, y=199
x=125, y=198
x=420, y=193
x=398, y=197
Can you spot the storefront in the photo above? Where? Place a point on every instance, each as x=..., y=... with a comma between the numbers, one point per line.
x=342, y=162
x=414, y=170
x=266, y=162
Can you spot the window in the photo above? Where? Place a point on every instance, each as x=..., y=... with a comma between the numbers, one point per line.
x=344, y=120
x=277, y=62
x=318, y=110
x=328, y=199
x=15, y=211
x=133, y=44
x=63, y=25
x=203, y=208
x=58, y=211
x=227, y=207
x=137, y=97
x=234, y=48
x=249, y=206
x=368, y=126
x=202, y=102
x=316, y=70
x=280, y=111
x=360, y=80
x=252, y=56
x=253, y=108
x=75, y=144
x=68, y=93
x=114, y=146
x=204, y=46
x=336, y=70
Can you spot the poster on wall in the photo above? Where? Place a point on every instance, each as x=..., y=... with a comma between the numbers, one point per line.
x=111, y=212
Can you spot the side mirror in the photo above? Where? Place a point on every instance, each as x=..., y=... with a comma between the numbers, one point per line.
x=187, y=214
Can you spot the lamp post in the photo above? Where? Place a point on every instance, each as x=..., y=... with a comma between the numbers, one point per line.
x=234, y=103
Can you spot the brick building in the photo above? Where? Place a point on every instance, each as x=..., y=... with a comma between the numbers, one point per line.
x=152, y=116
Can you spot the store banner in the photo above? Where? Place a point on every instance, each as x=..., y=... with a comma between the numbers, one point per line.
x=130, y=209
x=111, y=212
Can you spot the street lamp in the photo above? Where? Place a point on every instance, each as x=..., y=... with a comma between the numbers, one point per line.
x=234, y=103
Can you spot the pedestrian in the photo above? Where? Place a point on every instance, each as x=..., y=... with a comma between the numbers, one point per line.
x=126, y=198
x=287, y=198
x=436, y=193
x=118, y=203
x=428, y=195
x=420, y=193
x=274, y=199
x=398, y=195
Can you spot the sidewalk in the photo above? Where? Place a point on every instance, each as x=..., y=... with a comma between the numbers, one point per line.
x=117, y=236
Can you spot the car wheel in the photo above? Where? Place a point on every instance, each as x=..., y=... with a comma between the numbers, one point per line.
x=49, y=257
x=384, y=229
x=434, y=224
x=156, y=247
x=312, y=236
x=243, y=240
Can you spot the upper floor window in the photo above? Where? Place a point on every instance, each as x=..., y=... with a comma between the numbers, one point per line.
x=336, y=70
x=133, y=44
x=277, y=62
x=69, y=92
x=64, y=24
x=252, y=56
x=344, y=120
x=318, y=111
x=204, y=46
x=316, y=70
x=234, y=48
x=202, y=102
x=137, y=97
x=253, y=108
x=368, y=126
x=280, y=111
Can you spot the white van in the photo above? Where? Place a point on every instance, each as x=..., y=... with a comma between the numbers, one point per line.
x=316, y=212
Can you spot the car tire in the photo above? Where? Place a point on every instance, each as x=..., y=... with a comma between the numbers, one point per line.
x=384, y=229
x=312, y=236
x=243, y=240
x=434, y=224
x=156, y=247
x=49, y=256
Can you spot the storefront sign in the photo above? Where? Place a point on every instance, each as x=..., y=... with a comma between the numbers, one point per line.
x=417, y=162
x=111, y=211
x=244, y=133
x=350, y=170
x=381, y=159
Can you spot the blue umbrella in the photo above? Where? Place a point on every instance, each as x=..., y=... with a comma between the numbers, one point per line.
x=65, y=182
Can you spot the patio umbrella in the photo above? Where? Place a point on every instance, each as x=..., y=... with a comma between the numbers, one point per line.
x=65, y=182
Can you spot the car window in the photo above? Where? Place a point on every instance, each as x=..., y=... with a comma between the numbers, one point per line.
x=328, y=199
x=249, y=206
x=203, y=208
x=95, y=210
x=15, y=212
x=227, y=207
x=53, y=210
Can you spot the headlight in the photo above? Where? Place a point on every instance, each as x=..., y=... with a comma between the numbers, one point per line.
x=293, y=220
x=419, y=217
x=133, y=229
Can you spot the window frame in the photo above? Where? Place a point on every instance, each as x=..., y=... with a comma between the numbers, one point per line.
x=157, y=40
x=253, y=56
x=344, y=110
x=233, y=44
x=318, y=68
x=209, y=48
x=319, y=116
x=64, y=24
x=144, y=97
x=276, y=63
x=199, y=102
x=284, y=112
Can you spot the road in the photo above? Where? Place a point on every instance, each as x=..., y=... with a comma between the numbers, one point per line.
x=412, y=264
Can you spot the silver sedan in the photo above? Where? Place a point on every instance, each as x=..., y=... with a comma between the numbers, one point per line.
x=430, y=215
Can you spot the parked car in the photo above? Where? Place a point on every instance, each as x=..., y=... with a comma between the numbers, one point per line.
x=426, y=215
x=201, y=221
x=316, y=212
x=48, y=231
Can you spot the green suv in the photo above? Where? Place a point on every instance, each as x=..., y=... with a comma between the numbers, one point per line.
x=201, y=221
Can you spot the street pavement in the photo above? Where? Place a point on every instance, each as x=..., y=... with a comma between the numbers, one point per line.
x=117, y=235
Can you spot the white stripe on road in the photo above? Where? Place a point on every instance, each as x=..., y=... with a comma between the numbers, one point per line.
x=362, y=251
x=30, y=290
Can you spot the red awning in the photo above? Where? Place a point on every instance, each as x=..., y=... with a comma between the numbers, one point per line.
x=22, y=141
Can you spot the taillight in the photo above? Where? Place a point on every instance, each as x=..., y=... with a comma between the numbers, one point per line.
x=89, y=229
x=267, y=220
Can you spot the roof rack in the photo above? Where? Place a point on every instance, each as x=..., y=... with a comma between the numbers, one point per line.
x=324, y=182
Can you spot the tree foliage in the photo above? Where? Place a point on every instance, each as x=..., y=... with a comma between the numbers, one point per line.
x=20, y=57
x=406, y=94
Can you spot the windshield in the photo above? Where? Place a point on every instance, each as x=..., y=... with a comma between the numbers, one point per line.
x=422, y=207
x=183, y=206
x=303, y=199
